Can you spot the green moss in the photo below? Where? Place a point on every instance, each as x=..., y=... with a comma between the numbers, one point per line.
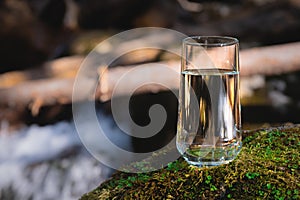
x=267, y=168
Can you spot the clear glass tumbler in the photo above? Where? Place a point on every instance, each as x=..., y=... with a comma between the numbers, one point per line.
x=209, y=120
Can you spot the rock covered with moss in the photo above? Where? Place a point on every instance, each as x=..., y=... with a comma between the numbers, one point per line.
x=268, y=167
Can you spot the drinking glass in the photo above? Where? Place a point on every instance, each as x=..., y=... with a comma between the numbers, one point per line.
x=209, y=120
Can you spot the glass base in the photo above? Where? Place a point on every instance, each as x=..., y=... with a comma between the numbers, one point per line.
x=208, y=156
x=208, y=163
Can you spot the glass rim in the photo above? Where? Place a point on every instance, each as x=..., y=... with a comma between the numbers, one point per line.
x=217, y=41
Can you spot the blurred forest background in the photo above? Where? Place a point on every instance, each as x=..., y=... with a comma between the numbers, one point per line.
x=44, y=42
x=34, y=31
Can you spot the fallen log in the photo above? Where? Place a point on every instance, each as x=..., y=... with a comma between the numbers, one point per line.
x=53, y=84
x=66, y=67
x=270, y=60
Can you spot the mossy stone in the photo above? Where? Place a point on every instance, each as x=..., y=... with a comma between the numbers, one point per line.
x=268, y=167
